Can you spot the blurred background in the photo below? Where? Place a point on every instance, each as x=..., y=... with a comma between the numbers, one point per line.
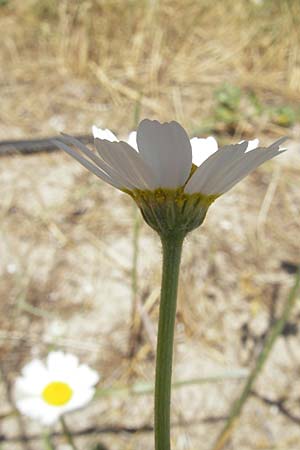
x=81, y=272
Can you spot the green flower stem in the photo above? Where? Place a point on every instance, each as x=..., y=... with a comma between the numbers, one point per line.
x=67, y=434
x=48, y=444
x=261, y=360
x=172, y=248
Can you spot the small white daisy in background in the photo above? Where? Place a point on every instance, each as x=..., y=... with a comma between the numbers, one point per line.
x=46, y=391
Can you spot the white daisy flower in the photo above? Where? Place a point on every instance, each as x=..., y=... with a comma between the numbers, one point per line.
x=164, y=156
x=165, y=163
x=44, y=392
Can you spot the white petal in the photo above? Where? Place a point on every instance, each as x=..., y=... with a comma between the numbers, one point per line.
x=108, y=169
x=32, y=406
x=61, y=364
x=29, y=386
x=276, y=145
x=249, y=164
x=37, y=409
x=250, y=161
x=132, y=171
x=79, y=399
x=99, y=133
x=145, y=178
x=221, y=173
x=166, y=148
x=83, y=377
x=203, y=148
x=50, y=416
x=131, y=140
x=214, y=169
x=114, y=162
x=84, y=162
x=34, y=377
x=87, y=152
x=251, y=144
x=65, y=367
x=99, y=162
x=34, y=368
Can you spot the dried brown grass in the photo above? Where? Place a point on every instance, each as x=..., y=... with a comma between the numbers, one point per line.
x=96, y=57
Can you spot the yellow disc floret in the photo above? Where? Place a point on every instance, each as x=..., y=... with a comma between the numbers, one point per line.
x=57, y=393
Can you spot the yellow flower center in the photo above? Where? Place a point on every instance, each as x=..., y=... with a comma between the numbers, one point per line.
x=57, y=393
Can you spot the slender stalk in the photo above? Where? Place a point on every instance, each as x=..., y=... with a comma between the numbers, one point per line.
x=172, y=248
x=135, y=316
x=67, y=434
x=48, y=444
x=147, y=388
x=261, y=360
x=135, y=245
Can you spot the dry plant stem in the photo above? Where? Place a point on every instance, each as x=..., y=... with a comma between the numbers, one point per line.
x=261, y=360
x=67, y=434
x=135, y=316
x=172, y=248
x=145, y=388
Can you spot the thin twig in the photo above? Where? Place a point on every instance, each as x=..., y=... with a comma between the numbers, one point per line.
x=111, y=429
x=267, y=201
x=280, y=404
x=148, y=388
